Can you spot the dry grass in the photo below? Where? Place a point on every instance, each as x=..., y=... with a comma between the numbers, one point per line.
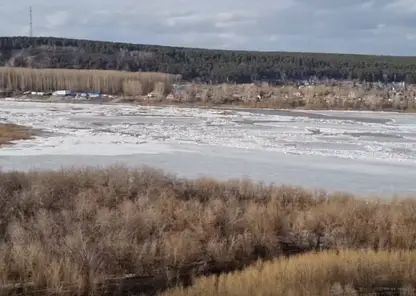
x=102, y=81
x=328, y=273
x=12, y=132
x=74, y=229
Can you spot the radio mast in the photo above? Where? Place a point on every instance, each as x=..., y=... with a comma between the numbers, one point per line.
x=30, y=22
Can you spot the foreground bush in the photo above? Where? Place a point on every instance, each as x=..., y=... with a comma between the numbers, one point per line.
x=329, y=273
x=86, y=230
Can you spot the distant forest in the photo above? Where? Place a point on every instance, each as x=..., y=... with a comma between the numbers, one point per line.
x=206, y=65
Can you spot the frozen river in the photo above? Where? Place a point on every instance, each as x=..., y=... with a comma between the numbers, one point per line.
x=364, y=153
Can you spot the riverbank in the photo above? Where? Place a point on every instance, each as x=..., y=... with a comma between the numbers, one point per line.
x=144, y=101
x=335, y=96
x=90, y=230
x=54, y=85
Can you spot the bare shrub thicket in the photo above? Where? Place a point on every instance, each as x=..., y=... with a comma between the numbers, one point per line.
x=349, y=273
x=103, y=81
x=75, y=229
x=344, y=97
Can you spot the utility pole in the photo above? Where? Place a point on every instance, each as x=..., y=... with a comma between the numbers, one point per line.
x=30, y=20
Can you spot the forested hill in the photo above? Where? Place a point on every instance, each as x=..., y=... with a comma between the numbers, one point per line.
x=203, y=64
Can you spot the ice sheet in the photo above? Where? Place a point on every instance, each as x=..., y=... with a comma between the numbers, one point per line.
x=125, y=129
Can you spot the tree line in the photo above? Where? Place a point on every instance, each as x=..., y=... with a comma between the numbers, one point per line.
x=206, y=65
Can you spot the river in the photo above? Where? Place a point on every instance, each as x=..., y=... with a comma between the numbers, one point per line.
x=366, y=153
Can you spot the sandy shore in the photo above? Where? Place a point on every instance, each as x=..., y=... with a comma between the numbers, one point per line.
x=12, y=132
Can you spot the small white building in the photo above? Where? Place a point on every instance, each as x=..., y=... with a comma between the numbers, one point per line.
x=61, y=93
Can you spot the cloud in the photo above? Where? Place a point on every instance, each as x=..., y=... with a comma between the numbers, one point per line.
x=352, y=26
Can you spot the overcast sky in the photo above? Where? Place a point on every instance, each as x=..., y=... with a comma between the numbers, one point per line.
x=351, y=26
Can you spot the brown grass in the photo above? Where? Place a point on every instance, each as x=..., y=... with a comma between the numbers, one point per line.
x=328, y=273
x=12, y=132
x=74, y=229
x=103, y=81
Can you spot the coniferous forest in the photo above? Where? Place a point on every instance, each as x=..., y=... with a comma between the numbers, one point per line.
x=205, y=65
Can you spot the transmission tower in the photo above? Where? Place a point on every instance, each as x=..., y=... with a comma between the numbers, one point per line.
x=30, y=22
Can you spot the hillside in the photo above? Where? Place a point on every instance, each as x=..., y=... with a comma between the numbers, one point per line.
x=202, y=64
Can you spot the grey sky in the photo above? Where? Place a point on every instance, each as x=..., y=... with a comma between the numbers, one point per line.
x=359, y=26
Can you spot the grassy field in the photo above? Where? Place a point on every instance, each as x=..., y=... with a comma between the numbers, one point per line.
x=14, y=79
x=86, y=231
x=12, y=132
x=328, y=273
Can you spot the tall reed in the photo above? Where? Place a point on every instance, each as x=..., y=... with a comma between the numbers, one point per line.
x=102, y=81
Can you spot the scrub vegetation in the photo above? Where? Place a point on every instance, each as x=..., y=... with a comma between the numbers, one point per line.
x=115, y=230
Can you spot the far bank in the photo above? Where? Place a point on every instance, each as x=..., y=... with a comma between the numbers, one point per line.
x=101, y=86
